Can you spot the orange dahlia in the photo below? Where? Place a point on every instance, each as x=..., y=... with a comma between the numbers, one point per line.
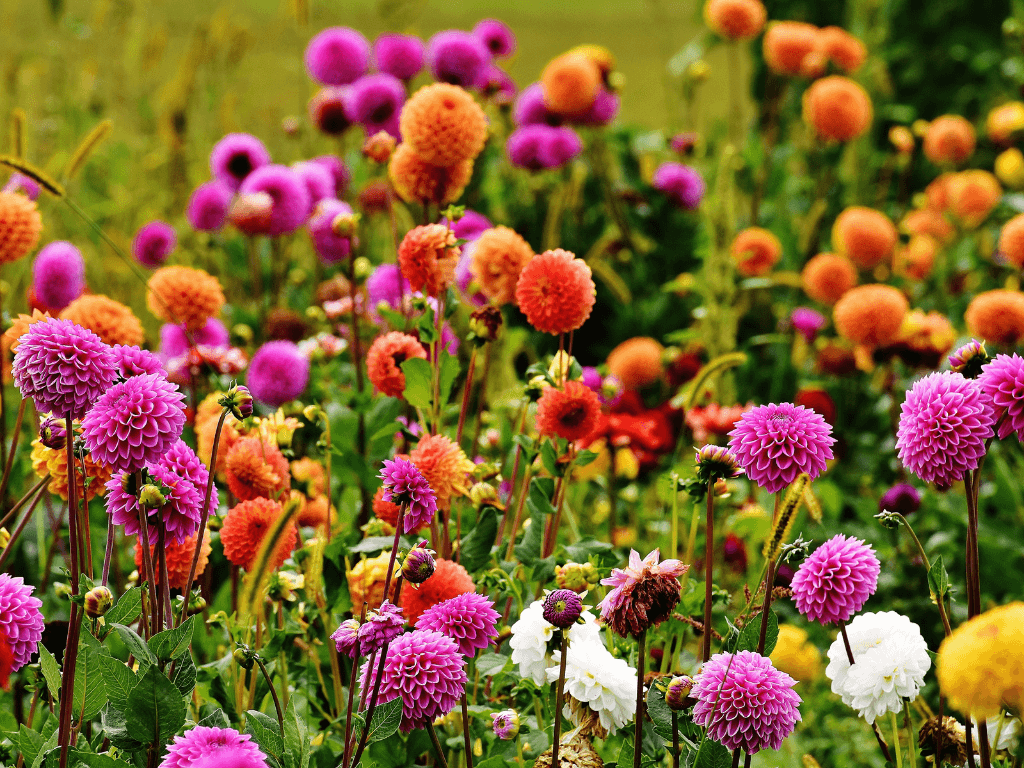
x=257, y=468
x=735, y=19
x=184, y=295
x=499, y=256
x=555, y=291
x=786, y=44
x=755, y=251
x=207, y=416
x=846, y=51
x=866, y=236
x=313, y=513
x=837, y=108
x=111, y=320
x=1005, y=122
x=308, y=474
x=1011, y=241
x=244, y=528
x=20, y=226
x=827, y=277
x=972, y=196
x=444, y=465
x=949, y=140
x=385, y=358
x=417, y=181
x=47, y=461
x=427, y=257
x=937, y=192
x=179, y=559
x=366, y=582
x=870, y=314
x=917, y=257
x=996, y=316
x=637, y=362
x=570, y=84
x=571, y=413
x=449, y=580
x=927, y=221
x=443, y=125
x=385, y=511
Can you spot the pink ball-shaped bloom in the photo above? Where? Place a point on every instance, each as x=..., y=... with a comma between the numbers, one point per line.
x=64, y=367
x=496, y=35
x=745, y=702
x=318, y=179
x=208, y=206
x=426, y=670
x=21, y=622
x=375, y=102
x=174, y=341
x=58, y=275
x=539, y=147
x=458, y=57
x=330, y=247
x=468, y=619
x=776, y=443
x=807, y=322
x=398, y=55
x=153, y=243
x=405, y=484
x=178, y=516
x=235, y=156
x=834, y=583
x=183, y=461
x=470, y=226
x=944, y=424
x=337, y=56
x=342, y=175
x=134, y=422
x=216, y=744
x=386, y=284
x=603, y=110
x=1002, y=380
x=290, y=200
x=380, y=628
x=529, y=108
x=134, y=361
x=278, y=373
x=499, y=85
x=681, y=183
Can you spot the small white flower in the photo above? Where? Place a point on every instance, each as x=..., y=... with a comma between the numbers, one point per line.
x=532, y=634
x=596, y=678
x=891, y=661
x=1003, y=731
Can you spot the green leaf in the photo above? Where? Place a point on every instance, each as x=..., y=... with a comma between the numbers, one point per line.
x=77, y=757
x=51, y=673
x=712, y=755
x=938, y=579
x=185, y=674
x=389, y=755
x=659, y=712
x=216, y=719
x=127, y=608
x=156, y=710
x=449, y=372
x=583, y=458
x=46, y=747
x=418, y=390
x=90, y=693
x=625, y=759
x=296, y=738
x=265, y=732
x=549, y=457
x=751, y=633
x=475, y=548
x=171, y=643
x=491, y=664
x=115, y=726
x=373, y=544
x=136, y=645
x=118, y=679
x=385, y=720
x=29, y=743
x=539, y=504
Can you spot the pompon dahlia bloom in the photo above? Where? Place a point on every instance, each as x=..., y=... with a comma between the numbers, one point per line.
x=571, y=83
x=381, y=627
x=834, y=583
x=257, y=468
x=135, y=422
x=637, y=362
x=498, y=258
x=278, y=372
x=532, y=635
x=745, y=702
x=597, y=680
x=111, y=320
x=235, y=156
x=427, y=257
x=643, y=594
x=870, y=314
x=540, y=147
x=178, y=555
x=375, y=102
x=469, y=619
x=996, y=316
x=416, y=180
x=827, y=277
x=1002, y=380
x=949, y=140
x=404, y=483
x=866, y=236
x=569, y=413
x=180, y=458
x=58, y=275
x=902, y=497
x=21, y=621
x=444, y=465
x=459, y=58
x=20, y=226
x=972, y=195
x=63, y=367
x=449, y=580
x=246, y=525
x=175, y=340
x=206, y=747
x=208, y=206
x=980, y=666
x=290, y=201
x=496, y=35
x=776, y=443
x=346, y=638
x=385, y=358
x=330, y=247
x=944, y=423
x=556, y=292
x=184, y=295
x=786, y=44
x=133, y=361
x=755, y=251
x=337, y=56
x=891, y=659
x=153, y=243
x=443, y=125
x=398, y=55
x=681, y=183
x=837, y=108
x=178, y=515
x=735, y=19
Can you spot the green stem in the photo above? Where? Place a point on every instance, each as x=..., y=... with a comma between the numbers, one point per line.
x=896, y=740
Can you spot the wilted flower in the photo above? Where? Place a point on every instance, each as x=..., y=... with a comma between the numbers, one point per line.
x=643, y=594
x=346, y=638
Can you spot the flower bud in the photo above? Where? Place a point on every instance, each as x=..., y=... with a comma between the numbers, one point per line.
x=485, y=495
x=419, y=564
x=578, y=577
x=345, y=638
x=485, y=323
x=238, y=400
x=345, y=224
x=969, y=359
x=379, y=147
x=505, y=724
x=151, y=497
x=902, y=497
x=454, y=213
x=678, y=689
x=98, y=601
x=244, y=657
x=52, y=433
x=61, y=589
x=562, y=607
x=251, y=213
x=902, y=139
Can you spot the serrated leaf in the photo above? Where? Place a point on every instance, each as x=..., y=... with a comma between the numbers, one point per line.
x=449, y=372
x=185, y=674
x=751, y=633
x=265, y=732
x=171, y=643
x=155, y=710
x=216, y=719
x=127, y=609
x=626, y=754
x=118, y=679
x=659, y=712
x=385, y=720
x=46, y=747
x=29, y=743
x=418, y=390
x=136, y=645
x=712, y=755
x=296, y=738
x=90, y=693
x=475, y=548
x=51, y=672
x=938, y=579
x=115, y=726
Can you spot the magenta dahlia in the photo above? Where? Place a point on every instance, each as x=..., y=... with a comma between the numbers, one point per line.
x=944, y=424
x=834, y=583
x=178, y=508
x=643, y=595
x=380, y=628
x=428, y=672
x=776, y=443
x=1003, y=381
x=204, y=746
x=63, y=367
x=405, y=484
x=469, y=619
x=183, y=461
x=134, y=423
x=745, y=702
x=21, y=622
x=134, y=361
x=346, y=638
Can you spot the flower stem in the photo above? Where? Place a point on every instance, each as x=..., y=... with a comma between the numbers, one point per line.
x=559, y=693
x=910, y=734
x=673, y=542
x=465, y=731
x=468, y=388
x=675, y=739
x=38, y=490
x=273, y=692
x=709, y=553
x=941, y=601
x=769, y=585
x=9, y=464
x=874, y=726
x=437, y=746
x=75, y=623
x=896, y=740
x=638, y=730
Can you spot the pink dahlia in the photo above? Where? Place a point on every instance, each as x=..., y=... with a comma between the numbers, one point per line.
x=21, y=622
x=775, y=444
x=428, y=672
x=63, y=367
x=944, y=424
x=346, y=638
x=380, y=628
x=134, y=423
x=643, y=594
x=183, y=461
x=405, y=484
x=1003, y=381
x=745, y=702
x=469, y=619
x=134, y=361
x=204, y=746
x=179, y=510
x=834, y=583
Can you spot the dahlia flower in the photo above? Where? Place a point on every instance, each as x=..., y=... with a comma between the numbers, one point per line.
x=235, y=156
x=58, y=275
x=208, y=746
x=380, y=628
x=178, y=512
x=444, y=465
x=595, y=678
x=532, y=634
x=278, y=373
x=1002, y=380
x=133, y=361
x=337, y=56
x=643, y=594
x=346, y=638
x=505, y=724
x=405, y=484
x=836, y=580
x=398, y=55
x=562, y=607
x=21, y=622
x=449, y=580
x=469, y=619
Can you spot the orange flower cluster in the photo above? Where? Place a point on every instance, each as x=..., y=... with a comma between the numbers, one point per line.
x=735, y=19
x=20, y=226
x=111, y=320
x=47, y=461
x=184, y=295
x=637, y=362
x=427, y=257
x=570, y=83
x=796, y=48
x=245, y=527
x=996, y=316
x=385, y=358
x=499, y=256
x=870, y=314
x=257, y=468
x=949, y=140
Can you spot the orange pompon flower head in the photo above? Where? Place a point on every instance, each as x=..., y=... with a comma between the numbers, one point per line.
x=1005, y=122
x=52, y=462
x=556, y=292
x=916, y=258
x=827, y=277
x=427, y=257
x=844, y=50
x=417, y=181
x=571, y=413
x=637, y=362
x=837, y=108
x=735, y=19
x=927, y=221
x=111, y=320
x=184, y=295
x=570, y=84
x=755, y=251
x=1011, y=241
x=971, y=196
x=179, y=559
x=449, y=580
x=443, y=125
x=444, y=465
x=996, y=316
x=786, y=44
x=870, y=314
x=20, y=226
x=866, y=236
x=499, y=256
x=949, y=140
x=385, y=358
x=257, y=468
x=245, y=527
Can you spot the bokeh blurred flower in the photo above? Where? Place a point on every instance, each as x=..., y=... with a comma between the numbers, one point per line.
x=681, y=183
x=375, y=102
x=837, y=108
x=398, y=55
x=459, y=58
x=111, y=320
x=949, y=140
x=497, y=36
x=208, y=206
x=445, y=466
x=866, y=236
x=416, y=180
x=997, y=316
x=540, y=147
x=786, y=44
x=235, y=156
x=795, y=654
x=735, y=19
x=277, y=373
x=20, y=226
x=570, y=82
x=469, y=619
x=497, y=260
x=153, y=243
x=807, y=322
x=337, y=56
x=443, y=124
x=184, y=295
x=755, y=251
x=870, y=314
x=637, y=362
x=972, y=196
x=58, y=275
x=827, y=277
x=290, y=203
x=902, y=497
